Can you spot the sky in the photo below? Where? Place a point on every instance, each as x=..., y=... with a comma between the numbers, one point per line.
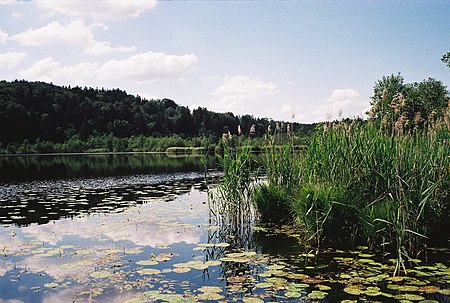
x=302, y=61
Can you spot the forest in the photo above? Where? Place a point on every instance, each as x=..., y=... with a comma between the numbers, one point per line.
x=42, y=117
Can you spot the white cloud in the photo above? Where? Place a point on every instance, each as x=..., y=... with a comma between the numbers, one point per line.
x=75, y=33
x=148, y=66
x=341, y=104
x=140, y=68
x=98, y=10
x=97, y=48
x=11, y=59
x=239, y=93
x=49, y=70
x=17, y=15
x=3, y=36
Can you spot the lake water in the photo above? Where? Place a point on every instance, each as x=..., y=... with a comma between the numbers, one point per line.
x=138, y=228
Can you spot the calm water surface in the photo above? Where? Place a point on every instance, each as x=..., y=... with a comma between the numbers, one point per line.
x=138, y=228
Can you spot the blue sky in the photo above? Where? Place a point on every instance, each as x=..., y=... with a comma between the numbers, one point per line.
x=307, y=59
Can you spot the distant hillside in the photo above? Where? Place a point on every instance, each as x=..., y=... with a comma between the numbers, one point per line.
x=38, y=110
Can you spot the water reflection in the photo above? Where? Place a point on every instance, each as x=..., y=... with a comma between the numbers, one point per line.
x=44, y=201
x=51, y=167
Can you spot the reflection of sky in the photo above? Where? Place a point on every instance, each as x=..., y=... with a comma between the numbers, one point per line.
x=156, y=223
x=83, y=243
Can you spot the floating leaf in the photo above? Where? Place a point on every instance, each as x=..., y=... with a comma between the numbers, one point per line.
x=353, y=291
x=292, y=294
x=317, y=295
x=100, y=274
x=410, y=297
x=323, y=287
x=236, y=279
x=275, y=267
x=146, y=262
x=51, y=285
x=445, y=292
x=210, y=289
x=408, y=288
x=211, y=296
x=429, y=289
x=181, y=270
x=149, y=271
x=213, y=263
x=252, y=300
x=264, y=285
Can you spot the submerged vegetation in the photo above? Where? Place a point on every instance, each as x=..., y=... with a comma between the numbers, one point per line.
x=383, y=183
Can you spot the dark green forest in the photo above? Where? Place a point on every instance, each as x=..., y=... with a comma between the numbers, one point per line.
x=42, y=117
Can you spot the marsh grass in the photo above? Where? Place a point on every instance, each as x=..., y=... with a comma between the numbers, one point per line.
x=355, y=183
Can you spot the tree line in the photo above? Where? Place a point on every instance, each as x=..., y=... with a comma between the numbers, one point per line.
x=43, y=112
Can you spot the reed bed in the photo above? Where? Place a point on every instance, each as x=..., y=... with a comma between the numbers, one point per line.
x=355, y=183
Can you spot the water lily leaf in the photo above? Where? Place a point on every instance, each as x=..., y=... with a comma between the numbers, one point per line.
x=100, y=274
x=372, y=292
x=163, y=257
x=408, y=288
x=212, y=296
x=317, y=295
x=213, y=263
x=264, y=285
x=323, y=287
x=181, y=270
x=410, y=297
x=349, y=301
x=429, y=289
x=445, y=292
x=210, y=289
x=366, y=255
x=223, y=244
x=236, y=279
x=292, y=294
x=149, y=271
x=353, y=291
x=152, y=293
x=252, y=300
x=275, y=267
x=276, y=280
x=51, y=285
x=146, y=262
x=395, y=279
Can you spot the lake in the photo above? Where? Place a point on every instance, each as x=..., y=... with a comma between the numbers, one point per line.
x=139, y=228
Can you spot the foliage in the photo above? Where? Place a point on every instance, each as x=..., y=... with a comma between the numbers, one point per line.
x=446, y=58
x=408, y=107
x=49, y=113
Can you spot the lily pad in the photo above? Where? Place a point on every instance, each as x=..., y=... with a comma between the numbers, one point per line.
x=293, y=294
x=51, y=285
x=264, y=285
x=323, y=287
x=149, y=271
x=353, y=291
x=210, y=296
x=429, y=289
x=181, y=270
x=252, y=300
x=146, y=262
x=210, y=289
x=410, y=297
x=445, y=292
x=100, y=274
x=317, y=295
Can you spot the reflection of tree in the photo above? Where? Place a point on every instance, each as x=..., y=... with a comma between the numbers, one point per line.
x=43, y=202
